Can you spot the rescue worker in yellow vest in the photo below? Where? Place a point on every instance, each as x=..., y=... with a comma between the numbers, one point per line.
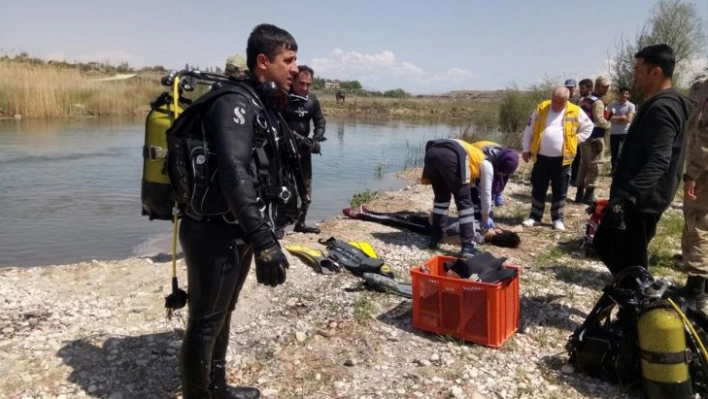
x=694, y=241
x=452, y=167
x=550, y=140
x=505, y=161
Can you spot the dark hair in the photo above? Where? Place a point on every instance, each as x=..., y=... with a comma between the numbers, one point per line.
x=585, y=82
x=305, y=68
x=659, y=56
x=506, y=239
x=624, y=88
x=269, y=40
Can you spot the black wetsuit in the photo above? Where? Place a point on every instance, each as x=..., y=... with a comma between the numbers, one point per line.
x=298, y=115
x=218, y=254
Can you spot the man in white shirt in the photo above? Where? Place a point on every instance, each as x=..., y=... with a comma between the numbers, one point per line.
x=621, y=115
x=550, y=140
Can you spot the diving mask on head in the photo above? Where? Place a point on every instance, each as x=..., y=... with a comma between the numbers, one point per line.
x=273, y=94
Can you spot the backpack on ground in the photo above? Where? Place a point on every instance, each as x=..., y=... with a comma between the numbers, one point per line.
x=641, y=337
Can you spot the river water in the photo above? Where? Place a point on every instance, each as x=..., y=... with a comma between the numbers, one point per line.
x=70, y=190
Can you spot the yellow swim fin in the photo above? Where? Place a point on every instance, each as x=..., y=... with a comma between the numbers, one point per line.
x=366, y=248
x=314, y=258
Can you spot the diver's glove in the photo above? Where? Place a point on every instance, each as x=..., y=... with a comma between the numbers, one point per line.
x=271, y=263
x=271, y=266
x=315, y=147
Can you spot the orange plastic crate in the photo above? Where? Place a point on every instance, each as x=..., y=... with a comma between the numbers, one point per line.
x=483, y=313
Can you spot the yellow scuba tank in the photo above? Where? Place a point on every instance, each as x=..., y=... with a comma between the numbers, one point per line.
x=664, y=359
x=156, y=192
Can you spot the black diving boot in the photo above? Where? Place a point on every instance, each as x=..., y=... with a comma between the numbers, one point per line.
x=301, y=227
x=220, y=390
x=579, y=194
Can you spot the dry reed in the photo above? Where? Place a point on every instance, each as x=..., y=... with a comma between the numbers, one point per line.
x=46, y=91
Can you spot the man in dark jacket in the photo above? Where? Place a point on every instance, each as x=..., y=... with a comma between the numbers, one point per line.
x=650, y=165
x=305, y=107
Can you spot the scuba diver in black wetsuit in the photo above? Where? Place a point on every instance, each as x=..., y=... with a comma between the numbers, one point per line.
x=218, y=253
x=419, y=222
x=305, y=107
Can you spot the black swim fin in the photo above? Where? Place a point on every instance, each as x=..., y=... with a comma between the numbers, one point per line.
x=354, y=259
x=381, y=283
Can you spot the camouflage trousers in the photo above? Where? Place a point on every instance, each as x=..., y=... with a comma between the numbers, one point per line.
x=590, y=159
x=694, y=241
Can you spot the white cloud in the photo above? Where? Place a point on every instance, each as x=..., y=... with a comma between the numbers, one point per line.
x=382, y=69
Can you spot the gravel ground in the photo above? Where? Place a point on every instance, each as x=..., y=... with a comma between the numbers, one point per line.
x=98, y=329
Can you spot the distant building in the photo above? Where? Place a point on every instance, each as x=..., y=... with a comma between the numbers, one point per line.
x=332, y=84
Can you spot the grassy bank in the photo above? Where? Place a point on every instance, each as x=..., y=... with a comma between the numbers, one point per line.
x=42, y=90
x=438, y=109
x=45, y=91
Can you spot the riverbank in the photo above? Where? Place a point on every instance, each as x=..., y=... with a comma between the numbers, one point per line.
x=41, y=90
x=98, y=329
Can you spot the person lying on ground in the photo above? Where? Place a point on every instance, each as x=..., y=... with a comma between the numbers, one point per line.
x=419, y=222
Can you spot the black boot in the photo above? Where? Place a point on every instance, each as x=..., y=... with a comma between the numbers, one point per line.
x=589, y=197
x=301, y=227
x=695, y=294
x=220, y=390
x=579, y=193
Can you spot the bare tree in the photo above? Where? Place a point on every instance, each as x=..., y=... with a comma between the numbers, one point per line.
x=678, y=24
x=673, y=22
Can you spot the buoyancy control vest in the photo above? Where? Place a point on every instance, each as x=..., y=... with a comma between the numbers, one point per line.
x=190, y=165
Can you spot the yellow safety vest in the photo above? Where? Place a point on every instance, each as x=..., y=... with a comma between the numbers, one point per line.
x=473, y=162
x=475, y=157
x=571, y=122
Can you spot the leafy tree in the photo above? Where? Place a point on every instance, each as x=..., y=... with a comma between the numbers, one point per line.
x=397, y=93
x=350, y=85
x=673, y=22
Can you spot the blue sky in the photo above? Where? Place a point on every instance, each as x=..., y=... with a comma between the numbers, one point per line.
x=420, y=46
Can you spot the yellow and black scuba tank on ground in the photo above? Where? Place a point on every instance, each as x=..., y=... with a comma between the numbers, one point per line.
x=664, y=358
x=156, y=192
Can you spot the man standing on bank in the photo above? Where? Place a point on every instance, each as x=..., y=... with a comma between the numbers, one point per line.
x=650, y=164
x=218, y=251
x=305, y=107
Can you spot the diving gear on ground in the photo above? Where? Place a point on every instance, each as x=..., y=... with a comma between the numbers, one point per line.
x=636, y=336
x=662, y=346
x=485, y=267
x=380, y=283
x=314, y=258
x=358, y=258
